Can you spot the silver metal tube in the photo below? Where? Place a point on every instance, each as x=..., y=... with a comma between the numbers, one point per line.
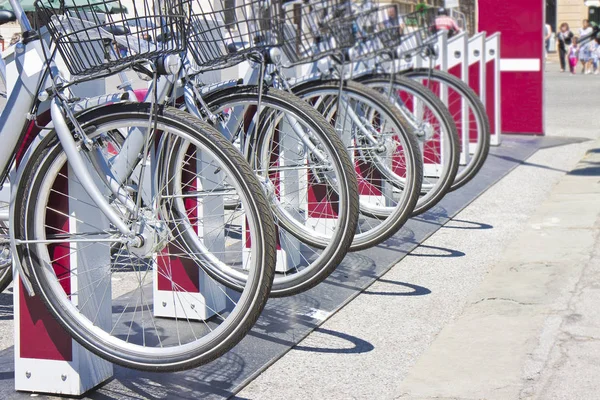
x=125, y=162
x=87, y=103
x=21, y=17
x=81, y=170
x=70, y=240
x=21, y=99
x=3, y=71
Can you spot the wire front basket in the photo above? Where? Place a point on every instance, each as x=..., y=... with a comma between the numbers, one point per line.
x=95, y=36
x=383, y=30
x=420, y=31
x=316, y=29
x=224, y=33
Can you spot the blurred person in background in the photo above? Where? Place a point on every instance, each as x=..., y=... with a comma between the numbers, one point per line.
x=596, y=55
x=547, y=36
x=564, y=38
x=444, y=22
x=585, y=54
x=573, y=55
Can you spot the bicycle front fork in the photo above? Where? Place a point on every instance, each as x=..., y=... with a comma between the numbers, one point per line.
x=80, y=168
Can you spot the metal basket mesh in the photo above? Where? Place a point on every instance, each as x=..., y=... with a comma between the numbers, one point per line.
x=316, y=29
x=419, y=31
x=383, y=30
x=95, y=36
x=223, y=33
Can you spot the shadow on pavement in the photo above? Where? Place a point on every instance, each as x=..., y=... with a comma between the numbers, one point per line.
x=416, y=289
x=462, y=224
x=359, y=345
x=527, y=163
x=586, y=168
x=438, y=252
x=213, y=380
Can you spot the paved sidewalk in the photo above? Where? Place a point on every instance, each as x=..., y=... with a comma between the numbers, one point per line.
x=531, y=329
x=499, y=304
x=495, y=305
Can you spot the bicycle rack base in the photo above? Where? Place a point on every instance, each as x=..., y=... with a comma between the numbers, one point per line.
x=286, y=321
x=46, y=358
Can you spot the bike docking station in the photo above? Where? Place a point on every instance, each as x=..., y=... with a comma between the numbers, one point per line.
x=491, y=87
x=484, y=78
x=476, y=61
x=516, y=60
x=46, y=358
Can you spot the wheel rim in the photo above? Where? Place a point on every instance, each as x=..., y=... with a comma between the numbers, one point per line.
x=435, y=139
x=306, y=244
x=149, y=347
x=394, y=202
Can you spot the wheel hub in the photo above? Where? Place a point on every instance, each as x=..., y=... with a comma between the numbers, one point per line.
x=152, y=236
x=425, y=132
x=388, y=146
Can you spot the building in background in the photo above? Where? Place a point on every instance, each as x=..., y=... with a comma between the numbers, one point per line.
x=467, y=10
x=572, y=12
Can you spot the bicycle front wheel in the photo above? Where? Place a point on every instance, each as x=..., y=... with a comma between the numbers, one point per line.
x=469, y=115
x=152, y=303
x=307, y=174
x=434, y=128
x=386, y=154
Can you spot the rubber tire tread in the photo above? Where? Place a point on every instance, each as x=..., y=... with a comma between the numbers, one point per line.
x=264, y=282
x=286, y=99
x=6, y=278
x=478, y=107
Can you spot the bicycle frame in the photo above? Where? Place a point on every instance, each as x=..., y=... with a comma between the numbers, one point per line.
x=168, y=86
x=31, y=69
x=192, y=95
x=31, y=83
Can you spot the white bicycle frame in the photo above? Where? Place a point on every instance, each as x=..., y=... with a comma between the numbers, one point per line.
x=30, y=67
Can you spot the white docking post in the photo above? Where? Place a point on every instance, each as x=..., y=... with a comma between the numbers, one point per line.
x=494, y=87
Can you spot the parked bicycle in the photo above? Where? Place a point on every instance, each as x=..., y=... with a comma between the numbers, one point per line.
x=155, y=223
x=111, y=199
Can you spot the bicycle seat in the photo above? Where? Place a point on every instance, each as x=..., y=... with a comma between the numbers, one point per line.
x=117, y=30
x=7, y=16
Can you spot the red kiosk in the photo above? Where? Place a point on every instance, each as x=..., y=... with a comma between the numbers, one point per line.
x=522, y=64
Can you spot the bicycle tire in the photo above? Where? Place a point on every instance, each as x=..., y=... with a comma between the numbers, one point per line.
x=47, y=157
x=448, y=132
x=477, y=108
x=6, y=278
x=334, y=249
x=392, y=221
